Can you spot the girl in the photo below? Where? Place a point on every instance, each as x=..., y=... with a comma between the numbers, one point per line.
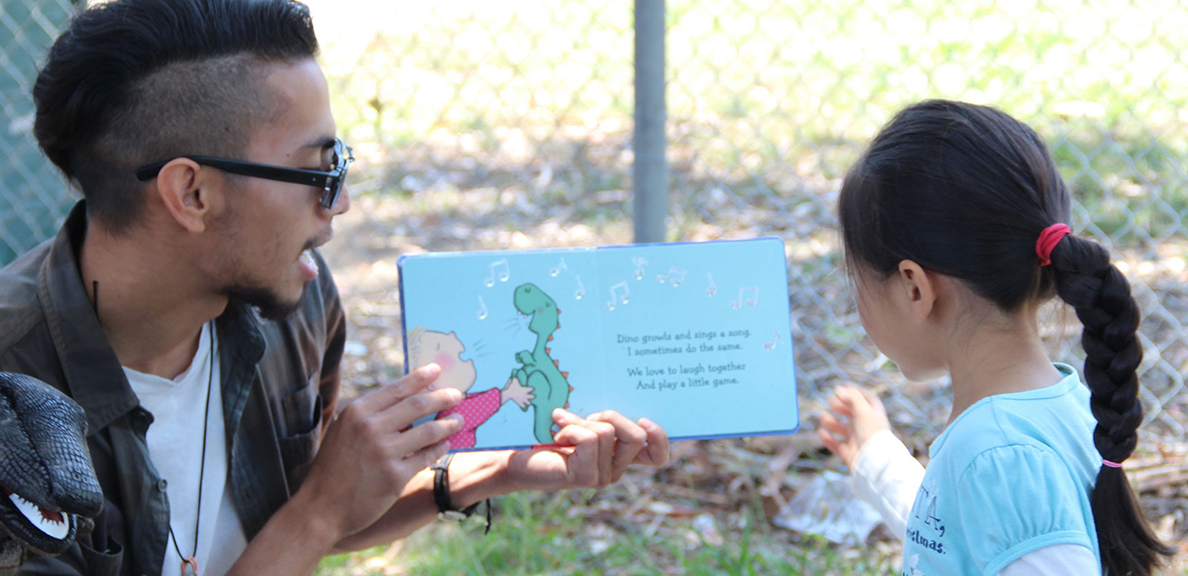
x=954, y=230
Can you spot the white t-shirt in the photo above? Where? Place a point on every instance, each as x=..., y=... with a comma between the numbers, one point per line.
x=175, y=448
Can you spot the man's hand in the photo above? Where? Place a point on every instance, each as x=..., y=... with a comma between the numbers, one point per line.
x=590, y=452
x=861, y=415
x=370, y=452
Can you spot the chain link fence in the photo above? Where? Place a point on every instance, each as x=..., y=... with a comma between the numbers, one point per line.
x=508, y=124
x=33, y=194
x=513, y=110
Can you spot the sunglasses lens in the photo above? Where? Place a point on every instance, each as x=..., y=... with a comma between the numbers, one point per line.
x=330, y=195
x=342, y=162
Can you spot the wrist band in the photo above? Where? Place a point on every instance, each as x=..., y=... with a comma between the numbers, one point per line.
x=441, y=495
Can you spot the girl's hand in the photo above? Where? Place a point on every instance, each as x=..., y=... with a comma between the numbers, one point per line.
x=856, y=416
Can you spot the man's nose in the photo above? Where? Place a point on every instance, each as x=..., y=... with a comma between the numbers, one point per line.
x=343, y=202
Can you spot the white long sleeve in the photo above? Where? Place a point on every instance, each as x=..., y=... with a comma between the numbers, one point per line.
x=1057, y=560
x=886, y=476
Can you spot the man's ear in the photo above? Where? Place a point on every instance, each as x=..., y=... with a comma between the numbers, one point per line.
x=920, y=289
x=187, y=192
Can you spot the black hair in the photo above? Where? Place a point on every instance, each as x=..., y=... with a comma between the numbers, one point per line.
x=132, y=82
x=986, y=187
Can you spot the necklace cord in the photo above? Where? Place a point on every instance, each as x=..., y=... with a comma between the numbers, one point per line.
x=202, y=466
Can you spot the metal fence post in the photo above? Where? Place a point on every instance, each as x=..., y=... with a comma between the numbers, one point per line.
x=650, y=169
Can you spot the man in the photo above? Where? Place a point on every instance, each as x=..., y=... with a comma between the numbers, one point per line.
x=200, y=134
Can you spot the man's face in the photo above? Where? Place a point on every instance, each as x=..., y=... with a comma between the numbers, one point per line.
x=270, y=227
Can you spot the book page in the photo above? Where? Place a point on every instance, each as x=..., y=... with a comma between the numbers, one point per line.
x=703, y=346
x=679, y=333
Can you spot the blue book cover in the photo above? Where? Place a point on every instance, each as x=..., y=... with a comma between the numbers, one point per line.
x=694, y=336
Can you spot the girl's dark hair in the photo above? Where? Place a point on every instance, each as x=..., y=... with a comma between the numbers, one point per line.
x=965, y=190
x=132, y=82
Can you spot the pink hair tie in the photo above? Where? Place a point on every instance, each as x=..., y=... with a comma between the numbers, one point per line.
x=1105, y=462
x=1048, y=239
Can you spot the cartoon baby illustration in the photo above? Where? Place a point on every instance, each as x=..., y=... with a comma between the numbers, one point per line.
x=425, y=346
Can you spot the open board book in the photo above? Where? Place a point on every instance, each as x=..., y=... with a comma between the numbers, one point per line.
x=693, y=336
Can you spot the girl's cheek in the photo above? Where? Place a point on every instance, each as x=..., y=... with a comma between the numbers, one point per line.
x=445, y=360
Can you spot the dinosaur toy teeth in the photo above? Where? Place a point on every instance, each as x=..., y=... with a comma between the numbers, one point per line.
x=49, y=522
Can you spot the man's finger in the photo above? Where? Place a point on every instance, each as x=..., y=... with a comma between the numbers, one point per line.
x=427, y=456
x=387, y=396
x=426, y=434
x=629, y=440
x=407, y=411
x=563, y=418
x=655, y=452
x=582, y=462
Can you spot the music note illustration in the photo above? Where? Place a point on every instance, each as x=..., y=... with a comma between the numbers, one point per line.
x=771, y=345
x=555, y=270
x=639, y=266
x=624, y=298
x=482, y=313
x=504, y=272
x=581, y=290
x=713, y=288
x=754, y=299
x=675, y=276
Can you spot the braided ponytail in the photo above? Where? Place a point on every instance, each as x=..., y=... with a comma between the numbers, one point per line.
x=1100, y=294
x=964, y=191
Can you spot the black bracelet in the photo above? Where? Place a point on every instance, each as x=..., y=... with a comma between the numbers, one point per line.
x=441, y=495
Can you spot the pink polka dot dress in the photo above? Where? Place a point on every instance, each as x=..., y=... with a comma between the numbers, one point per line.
x=476, y=409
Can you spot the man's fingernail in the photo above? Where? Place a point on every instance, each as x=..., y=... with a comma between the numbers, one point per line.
x=458, y=418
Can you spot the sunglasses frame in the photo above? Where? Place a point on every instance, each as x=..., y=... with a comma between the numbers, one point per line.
x=330, y=182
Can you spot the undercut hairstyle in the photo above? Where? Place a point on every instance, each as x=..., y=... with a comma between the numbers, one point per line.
x=134, y=82
x=965, y=190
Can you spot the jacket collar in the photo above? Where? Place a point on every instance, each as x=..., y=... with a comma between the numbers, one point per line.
x=93, y=374
x=94, y=377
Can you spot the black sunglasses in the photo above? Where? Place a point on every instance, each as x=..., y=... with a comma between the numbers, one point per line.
x=330, y=182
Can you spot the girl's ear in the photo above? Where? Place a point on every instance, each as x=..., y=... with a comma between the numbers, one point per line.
x=919, y=288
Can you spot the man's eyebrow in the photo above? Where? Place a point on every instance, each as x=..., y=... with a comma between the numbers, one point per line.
x=319, y=143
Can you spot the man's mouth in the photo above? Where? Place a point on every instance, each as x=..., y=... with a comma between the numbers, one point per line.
x=50, y=522
x=307, y=261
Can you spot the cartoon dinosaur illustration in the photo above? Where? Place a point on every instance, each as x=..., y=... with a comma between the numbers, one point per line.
x=539, y=371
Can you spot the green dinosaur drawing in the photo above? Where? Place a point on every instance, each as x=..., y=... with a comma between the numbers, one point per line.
x=539, y=371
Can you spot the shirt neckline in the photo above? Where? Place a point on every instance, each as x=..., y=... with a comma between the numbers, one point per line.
x=1064, y=386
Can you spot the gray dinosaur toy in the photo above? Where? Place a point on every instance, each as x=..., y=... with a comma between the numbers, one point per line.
x=47, y=483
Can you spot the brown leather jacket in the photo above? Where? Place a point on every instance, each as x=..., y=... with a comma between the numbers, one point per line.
x=280, y=387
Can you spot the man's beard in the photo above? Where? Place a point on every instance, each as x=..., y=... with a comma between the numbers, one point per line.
x=268, y=303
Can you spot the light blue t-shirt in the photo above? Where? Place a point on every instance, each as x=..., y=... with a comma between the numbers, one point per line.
x=1011, y=475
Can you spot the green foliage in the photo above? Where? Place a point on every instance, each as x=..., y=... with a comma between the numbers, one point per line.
x=550, y=534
